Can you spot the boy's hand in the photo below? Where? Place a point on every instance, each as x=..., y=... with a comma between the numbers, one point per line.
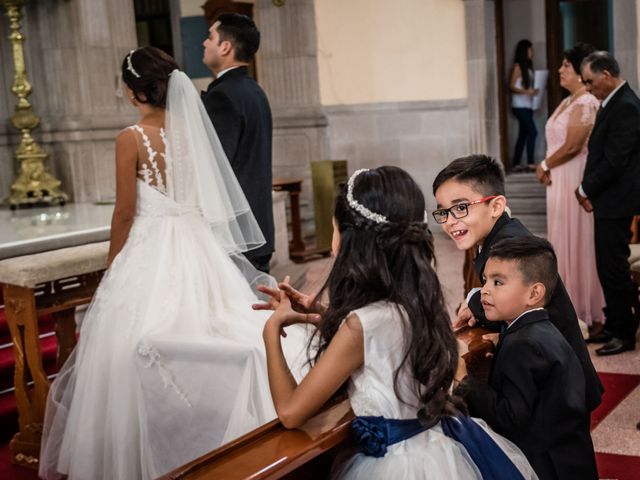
x=493, y=338
x=461, y=372
x=465, y=317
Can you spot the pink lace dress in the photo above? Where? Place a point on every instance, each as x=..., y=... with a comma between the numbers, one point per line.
x=569, y=227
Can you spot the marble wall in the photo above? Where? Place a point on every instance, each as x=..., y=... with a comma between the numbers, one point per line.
x=420, y=137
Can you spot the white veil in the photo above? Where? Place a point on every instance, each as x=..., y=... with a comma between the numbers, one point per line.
x=201, y=177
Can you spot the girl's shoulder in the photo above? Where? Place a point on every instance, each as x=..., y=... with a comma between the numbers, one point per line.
x=378, y=315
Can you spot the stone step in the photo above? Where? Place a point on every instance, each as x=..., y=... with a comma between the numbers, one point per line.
x=527, y=205
x=526, y=198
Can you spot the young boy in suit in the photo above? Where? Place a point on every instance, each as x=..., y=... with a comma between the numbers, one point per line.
x=536, y=391
x=471, y=210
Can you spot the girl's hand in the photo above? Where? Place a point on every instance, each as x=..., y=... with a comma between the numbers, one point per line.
x=300, y=302
x=285, y=315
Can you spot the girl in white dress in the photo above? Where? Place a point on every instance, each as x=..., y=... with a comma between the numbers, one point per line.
x=170, y=362
x=386, y=333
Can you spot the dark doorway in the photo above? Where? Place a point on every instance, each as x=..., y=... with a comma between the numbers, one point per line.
x=570, y=22
x=153, y=24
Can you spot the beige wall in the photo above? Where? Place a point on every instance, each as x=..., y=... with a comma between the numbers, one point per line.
x=380, y=51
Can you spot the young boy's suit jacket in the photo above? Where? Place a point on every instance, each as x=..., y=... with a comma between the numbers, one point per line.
x=535, y=398
x=561, y=311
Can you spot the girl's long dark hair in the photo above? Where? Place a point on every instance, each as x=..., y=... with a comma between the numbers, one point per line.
x=521, y=58
x=394, y=262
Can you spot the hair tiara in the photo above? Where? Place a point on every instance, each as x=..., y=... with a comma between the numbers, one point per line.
x=361, y=209
x=130, y=65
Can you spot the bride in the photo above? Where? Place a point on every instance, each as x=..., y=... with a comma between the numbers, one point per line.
x=170, y=362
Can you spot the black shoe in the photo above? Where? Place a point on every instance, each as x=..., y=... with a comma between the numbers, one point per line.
x=601, y=337
x=615, y=346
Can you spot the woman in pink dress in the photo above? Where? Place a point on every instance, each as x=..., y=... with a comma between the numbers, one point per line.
x=569, y=227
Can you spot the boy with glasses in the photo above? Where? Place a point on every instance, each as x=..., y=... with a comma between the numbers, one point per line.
x=471, y=210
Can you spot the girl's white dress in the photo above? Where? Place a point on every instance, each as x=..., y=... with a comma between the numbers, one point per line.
x=170, y=362
x=428, y=455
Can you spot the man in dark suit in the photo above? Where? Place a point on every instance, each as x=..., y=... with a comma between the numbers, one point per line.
x=241, y=115
x=535, y=395
x=610, y=189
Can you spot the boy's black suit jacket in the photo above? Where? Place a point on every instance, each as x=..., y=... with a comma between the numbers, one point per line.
x=612, y=174
x=241, y=115
x=535, y=398
x=560, y=308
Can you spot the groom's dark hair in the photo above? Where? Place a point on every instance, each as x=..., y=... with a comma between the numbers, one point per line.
x=243, y=34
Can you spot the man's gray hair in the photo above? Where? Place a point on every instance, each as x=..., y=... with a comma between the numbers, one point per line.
x=600, y=61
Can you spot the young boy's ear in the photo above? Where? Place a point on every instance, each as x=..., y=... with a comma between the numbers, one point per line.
x=537, y=294
x=498, y=206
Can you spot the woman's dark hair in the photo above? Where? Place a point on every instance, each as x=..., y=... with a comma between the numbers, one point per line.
x=577, y=54
x=521, y=58
x=153, y=67
x=393, y=262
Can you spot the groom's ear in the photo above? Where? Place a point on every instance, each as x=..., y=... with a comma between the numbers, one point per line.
x=226, y=48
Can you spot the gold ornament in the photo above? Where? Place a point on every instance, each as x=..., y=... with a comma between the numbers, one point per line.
x=33, y=185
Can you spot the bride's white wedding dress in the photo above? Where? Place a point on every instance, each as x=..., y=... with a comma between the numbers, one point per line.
x=170, y=362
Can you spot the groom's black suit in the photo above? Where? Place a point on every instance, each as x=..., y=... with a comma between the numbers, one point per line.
x=612, y=184
x=241, y=115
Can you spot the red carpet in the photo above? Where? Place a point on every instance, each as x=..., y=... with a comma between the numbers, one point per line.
x=616, y=387
x=620, y=467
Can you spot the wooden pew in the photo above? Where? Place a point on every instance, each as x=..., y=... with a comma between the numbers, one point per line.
x=273, y=452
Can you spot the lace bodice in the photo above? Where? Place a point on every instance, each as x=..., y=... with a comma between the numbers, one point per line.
x=152, y=159
x=580, y=112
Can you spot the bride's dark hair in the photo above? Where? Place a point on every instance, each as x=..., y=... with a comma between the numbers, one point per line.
x=152, y=67
x=394, y=261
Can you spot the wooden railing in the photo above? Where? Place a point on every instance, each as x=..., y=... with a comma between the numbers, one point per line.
x=273, y=452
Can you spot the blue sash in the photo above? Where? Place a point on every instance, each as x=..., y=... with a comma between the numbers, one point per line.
x=374, y=434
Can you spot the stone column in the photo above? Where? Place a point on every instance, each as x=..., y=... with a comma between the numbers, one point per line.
x=482, y=81
x=73, y=51
x=288, y=71
x=625, y=39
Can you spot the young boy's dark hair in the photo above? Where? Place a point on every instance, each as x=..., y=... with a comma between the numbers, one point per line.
x=534, y=257
x=482, y=171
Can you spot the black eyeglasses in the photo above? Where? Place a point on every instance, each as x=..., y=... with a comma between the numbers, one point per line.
x=458, y=211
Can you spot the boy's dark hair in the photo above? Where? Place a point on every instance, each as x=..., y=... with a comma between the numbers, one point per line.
x=602, y=60
x=534, y=257
x=482, y=172
x=153, y=67
x=243, y=34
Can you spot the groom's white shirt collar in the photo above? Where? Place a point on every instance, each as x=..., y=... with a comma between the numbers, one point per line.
x=226, y=70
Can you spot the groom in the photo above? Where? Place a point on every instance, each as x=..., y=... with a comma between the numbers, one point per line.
x=241, y=115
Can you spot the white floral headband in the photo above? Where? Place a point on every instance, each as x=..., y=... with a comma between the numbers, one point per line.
x=130, y=66
x=361, y=209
